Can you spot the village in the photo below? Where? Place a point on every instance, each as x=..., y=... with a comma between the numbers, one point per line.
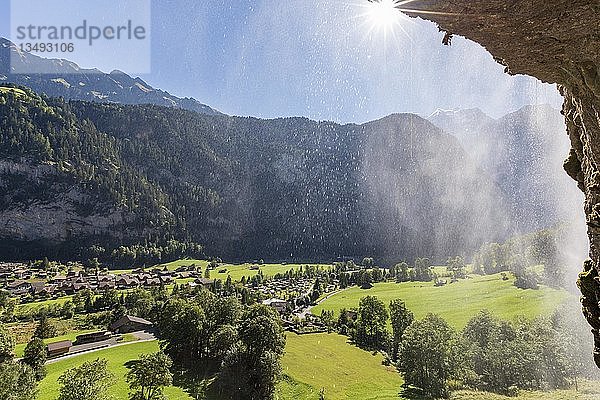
x=290, y=296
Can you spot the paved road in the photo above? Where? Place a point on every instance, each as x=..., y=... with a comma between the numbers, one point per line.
x=308, y=309
x=92, y=346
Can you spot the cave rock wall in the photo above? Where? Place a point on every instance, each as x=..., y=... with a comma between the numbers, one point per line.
x=557, y=42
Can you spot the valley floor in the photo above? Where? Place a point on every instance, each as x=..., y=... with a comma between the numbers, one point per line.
x=329, y=363
x=457, y=302
x=311, y=363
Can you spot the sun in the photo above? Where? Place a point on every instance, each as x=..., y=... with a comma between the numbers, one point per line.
x=384, y=15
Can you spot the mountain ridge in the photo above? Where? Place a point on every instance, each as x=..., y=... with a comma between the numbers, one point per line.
x=523, y=152
x=66, y=79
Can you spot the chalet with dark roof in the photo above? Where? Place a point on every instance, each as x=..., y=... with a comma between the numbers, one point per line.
x=128, y=323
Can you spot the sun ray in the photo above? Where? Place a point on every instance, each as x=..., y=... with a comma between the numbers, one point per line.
x=415, y=11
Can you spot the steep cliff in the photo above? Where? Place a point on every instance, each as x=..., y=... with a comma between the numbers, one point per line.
x=557, y=42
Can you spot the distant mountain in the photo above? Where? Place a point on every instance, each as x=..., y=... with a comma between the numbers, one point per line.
x=74, y=174
x=463, y=124
x=66, y=79
x=523, y=152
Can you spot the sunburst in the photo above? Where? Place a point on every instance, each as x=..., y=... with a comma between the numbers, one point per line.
x=384, y=15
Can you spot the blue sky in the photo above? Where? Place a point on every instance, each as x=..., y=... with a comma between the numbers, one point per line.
x=314, y=58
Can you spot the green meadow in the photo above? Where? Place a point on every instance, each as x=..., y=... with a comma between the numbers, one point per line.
x=236, y=271
x=311, y=363
x=117, y=358
x=26, y=308
x=329, y=362
x=457, y=302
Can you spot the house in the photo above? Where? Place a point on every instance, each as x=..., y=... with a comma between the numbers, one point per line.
x=106, y=285
x=76, y=287
x=18, y=288
x=72, y=274
x=278, y=304
x=48, y=291
x=128, y=323
x=152, y=282
x=20, y=273
x=126, y=282
x=59, y=348
x=39, y=289
x=204, y=281
x=106, y=278
x=59, y=279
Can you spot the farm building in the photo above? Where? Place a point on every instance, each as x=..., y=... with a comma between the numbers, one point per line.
x=204, y=281
x=92, y=337
x=127, y=324
x=17, y=288
x=59, y=348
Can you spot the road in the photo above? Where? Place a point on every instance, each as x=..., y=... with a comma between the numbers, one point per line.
x=93, y=347
x=307, y=310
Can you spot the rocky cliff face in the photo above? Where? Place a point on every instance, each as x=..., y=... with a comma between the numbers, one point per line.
x=39, y=203
x=557, y=42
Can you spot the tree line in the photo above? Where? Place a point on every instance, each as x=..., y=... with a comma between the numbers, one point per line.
x=488, y=354
x=520, y=253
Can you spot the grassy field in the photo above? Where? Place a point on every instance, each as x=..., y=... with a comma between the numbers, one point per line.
x=327, y=361
x=19, y=348
x=236, y=271
x=311, y=363
x=117, y=357
x=586, y=391
x=30, y=307
x=457, y=302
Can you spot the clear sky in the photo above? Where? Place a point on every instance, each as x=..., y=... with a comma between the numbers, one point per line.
x=320, y=59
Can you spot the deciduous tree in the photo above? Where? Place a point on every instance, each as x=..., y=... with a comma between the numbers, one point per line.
x=35, y=356
x=45, y=328
x=89, y=381
x=252, y=368
x=371, y=331
x=401, y=318
x=7, y=344
x=149, y=375
x=17, y=381
x=425, y=355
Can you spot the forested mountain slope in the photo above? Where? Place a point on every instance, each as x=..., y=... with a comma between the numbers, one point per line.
x=77, y=173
